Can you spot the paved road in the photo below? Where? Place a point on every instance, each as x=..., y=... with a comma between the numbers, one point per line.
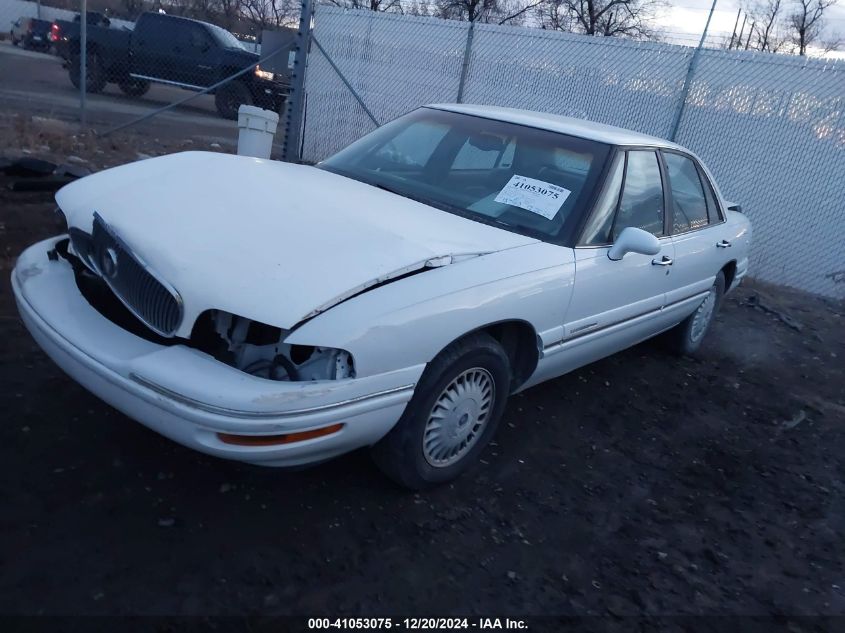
x=37, y=83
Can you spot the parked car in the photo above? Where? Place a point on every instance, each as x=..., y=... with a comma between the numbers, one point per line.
x=392, y=296
x=31, y=33
x=176, y=51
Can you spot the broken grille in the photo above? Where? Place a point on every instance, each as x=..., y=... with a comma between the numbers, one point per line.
x=156, y=304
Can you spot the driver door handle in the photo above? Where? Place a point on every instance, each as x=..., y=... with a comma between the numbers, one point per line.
x=664, y=261
x=723, y=244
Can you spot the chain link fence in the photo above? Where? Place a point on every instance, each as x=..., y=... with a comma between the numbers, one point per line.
x=771, y=127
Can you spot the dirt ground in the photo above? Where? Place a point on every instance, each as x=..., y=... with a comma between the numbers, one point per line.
x=644, y=484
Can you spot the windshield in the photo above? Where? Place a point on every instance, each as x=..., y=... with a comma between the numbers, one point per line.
x=523, y=179
x=223, y=37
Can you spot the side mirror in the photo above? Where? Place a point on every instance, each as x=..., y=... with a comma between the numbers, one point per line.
x=634, y=240
x=735, y=206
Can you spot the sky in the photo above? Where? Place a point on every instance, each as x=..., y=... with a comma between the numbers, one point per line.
x=683, y=21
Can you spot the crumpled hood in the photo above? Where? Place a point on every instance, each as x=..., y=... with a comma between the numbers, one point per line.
x=271, y=241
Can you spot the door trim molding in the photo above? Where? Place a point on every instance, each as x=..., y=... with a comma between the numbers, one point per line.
x=580, y=337
x=166, y=81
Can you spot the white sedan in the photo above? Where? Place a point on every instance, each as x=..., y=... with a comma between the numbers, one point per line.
x=393, y=296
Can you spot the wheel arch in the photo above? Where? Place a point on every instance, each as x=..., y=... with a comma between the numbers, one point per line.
x=76, y=45
x=729, y=271
x=520, y=341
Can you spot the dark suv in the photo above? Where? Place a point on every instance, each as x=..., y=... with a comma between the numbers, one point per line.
x=179, y=52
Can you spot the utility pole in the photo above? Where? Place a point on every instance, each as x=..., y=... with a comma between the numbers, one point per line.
x=295, y=103
x=741, y=29
x=83, y=59
x=692, y=64
x=733, y=33
x=750, y=31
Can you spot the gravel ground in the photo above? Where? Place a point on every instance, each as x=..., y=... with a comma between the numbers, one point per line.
x=644, y=484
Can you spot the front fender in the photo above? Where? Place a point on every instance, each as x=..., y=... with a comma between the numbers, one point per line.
x=409, y=321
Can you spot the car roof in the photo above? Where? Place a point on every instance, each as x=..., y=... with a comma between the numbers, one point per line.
x=181, y=17
x=581, y=128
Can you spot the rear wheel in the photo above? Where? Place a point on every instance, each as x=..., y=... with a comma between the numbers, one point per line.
x=686, y=337
x=95, y=78
x=134, y=87
x=230, y=97
x=452, y=416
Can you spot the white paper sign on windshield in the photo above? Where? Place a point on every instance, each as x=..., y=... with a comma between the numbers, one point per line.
x=542, y=198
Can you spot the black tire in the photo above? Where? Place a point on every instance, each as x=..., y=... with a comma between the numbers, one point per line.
x=401, y=454
x=15, y=42
x=134, y=87
x=686, y=337
x=230, y=97
x=95, y=78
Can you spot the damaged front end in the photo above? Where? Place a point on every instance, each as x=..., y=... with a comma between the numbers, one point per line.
x=259, y=349
x=255, y=348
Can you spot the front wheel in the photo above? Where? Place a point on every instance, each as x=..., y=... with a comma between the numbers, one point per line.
x=230, y=97
x=95, y=78
x=452, y=416
x=686, y=337
x=134, y=87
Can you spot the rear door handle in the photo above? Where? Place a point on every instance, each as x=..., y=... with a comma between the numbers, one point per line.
x=723, y=244
x=665, y=261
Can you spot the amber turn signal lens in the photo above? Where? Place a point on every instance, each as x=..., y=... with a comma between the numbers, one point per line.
x=272, y=440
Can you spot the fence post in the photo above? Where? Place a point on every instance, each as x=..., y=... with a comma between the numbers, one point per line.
x=83, y=59
x=465, y=65
x=295, y=103
x=688, y=79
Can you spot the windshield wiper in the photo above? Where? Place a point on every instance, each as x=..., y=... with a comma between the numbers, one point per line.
x=437, y=204
x=378, y=185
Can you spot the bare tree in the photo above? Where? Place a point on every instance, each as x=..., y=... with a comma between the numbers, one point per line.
x=491, y=11
x=515, y=11
x=372, y=5
x=272, y=13
x=807, y=22
x=629, y=18
x=132, y=8
x=468, y=10
x=421, y=8
x=767, y=18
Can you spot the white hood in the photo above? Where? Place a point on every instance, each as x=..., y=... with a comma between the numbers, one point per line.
x=274, y=242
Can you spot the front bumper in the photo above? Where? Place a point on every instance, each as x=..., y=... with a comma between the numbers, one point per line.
x=190, y=397
x=270, y=92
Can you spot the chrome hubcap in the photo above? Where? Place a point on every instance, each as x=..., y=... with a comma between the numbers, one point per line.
x=703, y=315
x=458, y=417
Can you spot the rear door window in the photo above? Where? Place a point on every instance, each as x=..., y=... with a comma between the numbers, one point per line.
x=689, y=204
x=162, y=32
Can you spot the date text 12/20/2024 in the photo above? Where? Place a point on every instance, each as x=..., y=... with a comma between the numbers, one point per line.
x=417, y=624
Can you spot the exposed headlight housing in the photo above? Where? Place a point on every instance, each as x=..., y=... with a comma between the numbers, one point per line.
x=259, y=349
x=264, y=74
